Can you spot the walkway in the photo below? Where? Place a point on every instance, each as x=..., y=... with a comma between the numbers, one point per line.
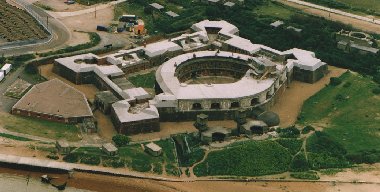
x=59, y=15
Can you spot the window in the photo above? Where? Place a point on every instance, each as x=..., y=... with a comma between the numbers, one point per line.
x=235, y=105
x=215, y=105
x=197, y=106
x=255, y=101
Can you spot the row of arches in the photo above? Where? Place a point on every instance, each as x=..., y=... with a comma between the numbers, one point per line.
x=234, y=105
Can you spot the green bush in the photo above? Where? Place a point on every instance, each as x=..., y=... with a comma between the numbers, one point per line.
x=90, y=160
x=289, y=132
x=299, y=163
x=324, y=161
x=71, y=158
x=347, y=84
x=121, y=140
x=157, y=168
x=307, y=129
x=368, y=156
x=53, y=156
x=113, y=162
x=376, y=91
x=172, y=170
x=141, y=166
x=310, y=175
x=251, y=158
x=335, y=81
x=293, y=145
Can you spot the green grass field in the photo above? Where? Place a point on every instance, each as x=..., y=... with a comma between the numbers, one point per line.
x=364, y=4
x=145, y=80
x=350, y=113
x=41, y=128
x=274, y=10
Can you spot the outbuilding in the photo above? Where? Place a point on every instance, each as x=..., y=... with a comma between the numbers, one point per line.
x=109, y=149
x=1, y=75
x=6, y=68
x=62, y=146
x=153, y=149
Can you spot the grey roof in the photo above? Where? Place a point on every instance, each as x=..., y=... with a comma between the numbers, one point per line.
x=157, y=6
x=109, y=147
x=172, y=14
x=154, y=147
x=122, y=112
x=229, y=4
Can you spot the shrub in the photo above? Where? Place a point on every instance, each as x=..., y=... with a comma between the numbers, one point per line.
x=113, y=162
x=52, y=156
x=348, y=84
x=376, y=91
x=293, y=145
x=307, y=129
x=172, y=170
x=90, y=160
x=31, y=69
x=334, y=81
x=71, y=158
x=157, y=168
x=299, y=163
x=310, y=175
x=368, y=156
x=289, y=132
x=121, y=140
x=141, y=166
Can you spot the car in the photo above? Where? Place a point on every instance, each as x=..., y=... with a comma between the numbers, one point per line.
x=69, y=2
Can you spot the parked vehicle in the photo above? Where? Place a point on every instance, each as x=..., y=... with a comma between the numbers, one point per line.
x=102, y=28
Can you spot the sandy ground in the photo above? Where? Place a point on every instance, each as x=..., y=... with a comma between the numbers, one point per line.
x=169, y=128
x=9, y=146
x=59, y=5
x=88, y=22
x=89, y=90
x=105, y=127
x=78, y=38
x=363, y=25
x=291, y=101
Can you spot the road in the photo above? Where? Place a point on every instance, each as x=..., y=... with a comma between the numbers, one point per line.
x=359, y=22
x=59, y=31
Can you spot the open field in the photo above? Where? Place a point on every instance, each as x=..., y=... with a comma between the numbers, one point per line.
x=16, y=24
x=363, y=7
x=349, y=112
x=41, y=128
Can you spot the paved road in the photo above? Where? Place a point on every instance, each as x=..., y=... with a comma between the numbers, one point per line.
x=60, y=36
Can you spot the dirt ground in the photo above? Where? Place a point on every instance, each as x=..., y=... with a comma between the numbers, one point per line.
x=105, y=127
x=363, y=25
x=89, y=90
x=59, y=5
x=9, y=146
x=169, y=128
x=78, y=38
x=291, y=101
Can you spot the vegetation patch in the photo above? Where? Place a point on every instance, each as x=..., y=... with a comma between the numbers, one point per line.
x=309, y=175
x=90, y=160
x=331, y=171
x=289, y=132
x=144, y=80
x=251, y=158
x=293, y=145
x=18, y=138
x=299, y=163
x=307, y=129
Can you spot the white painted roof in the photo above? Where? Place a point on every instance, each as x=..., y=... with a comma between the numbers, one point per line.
x=277, y=23
x=6, y=67
x=157, y=6
x=224, y=26
x=153, y=147
x=1, y=75
x=229, y=4
x=305, y=59
x=138, y=93
x=121, y=109
x=160, y=48
x=247, y=86
x=109, y=147
x=172, y=14
x=243, y=44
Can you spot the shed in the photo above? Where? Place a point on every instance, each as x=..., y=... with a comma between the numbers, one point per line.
x=1, y=75
x=157, y=6
x=153, y=149
x=109, y=149
x=62, y=146
x=298, y=30
x=172, y=14
x=254, y=127
x=6, y=68
x=229, y=4
x=277, y=24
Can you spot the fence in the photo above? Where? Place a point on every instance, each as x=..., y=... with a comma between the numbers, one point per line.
x=43, y=21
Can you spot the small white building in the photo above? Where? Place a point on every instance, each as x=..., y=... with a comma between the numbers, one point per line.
x=1, y=75
x=109, y=149
x=157, y=6
x=6, y=68
x=277, y=24
x=153, y=149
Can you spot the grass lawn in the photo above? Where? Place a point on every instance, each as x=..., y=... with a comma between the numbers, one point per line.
x=364, y=4
x=350, y=113
x=14, y=137
x=275, y=10
x=251, y=158
x=145, y=80
x=39, y=127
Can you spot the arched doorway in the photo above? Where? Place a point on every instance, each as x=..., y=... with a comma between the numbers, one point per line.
x=215, y=105
x=235, y=104
x=197, y=106
x=255, y=101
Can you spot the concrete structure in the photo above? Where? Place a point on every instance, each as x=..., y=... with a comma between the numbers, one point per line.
x=255, y=127
x=104, y=100
x=1, y=75
x=213, y=49
x=6, y=68
x=109, y=149
x=54, y=100
x=171, y=14
x=215, y=134
x=277, y=23
x=157, y=6
x=62, y=146
x=153, y=149
x=356, y=41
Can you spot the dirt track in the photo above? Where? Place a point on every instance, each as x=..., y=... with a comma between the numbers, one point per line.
x=362, y=25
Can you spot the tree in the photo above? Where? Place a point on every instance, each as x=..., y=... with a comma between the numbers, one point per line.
x=148, y=10
x=121, y=140
x=2, y=60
